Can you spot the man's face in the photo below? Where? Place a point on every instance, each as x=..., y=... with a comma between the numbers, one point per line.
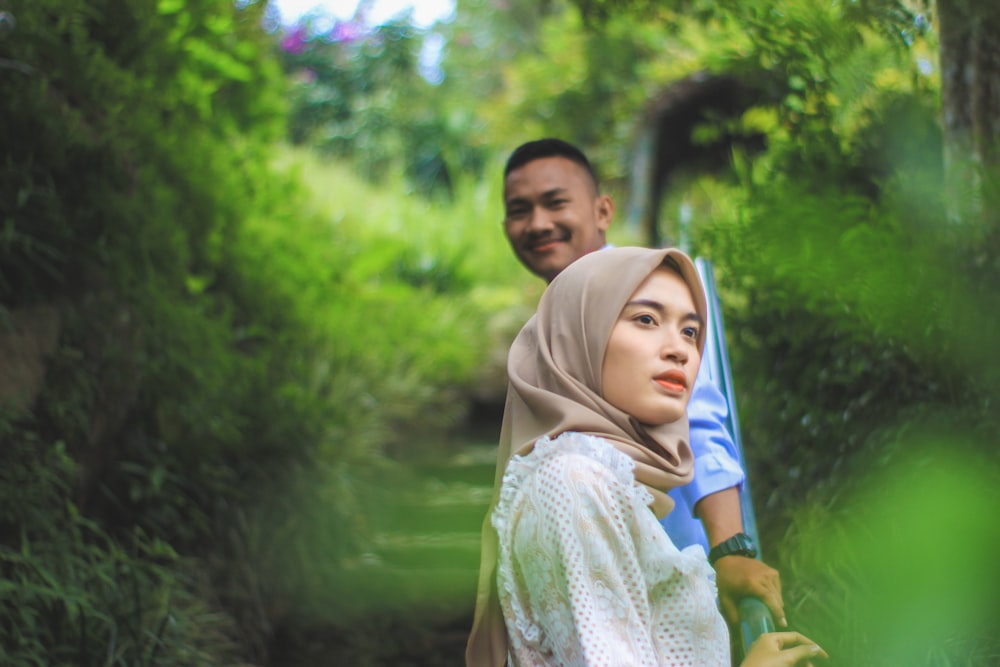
x=553, y=214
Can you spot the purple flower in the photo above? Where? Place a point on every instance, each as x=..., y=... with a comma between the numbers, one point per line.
x=295, y=41
x=346, y=31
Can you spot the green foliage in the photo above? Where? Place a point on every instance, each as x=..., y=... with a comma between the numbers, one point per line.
x=402, y=300
x=844, y=289
x=128, y=145
x=360, y=93
x=231, y=367
x=836, y=266
x=593, y=72
x=591, y=87
x=70, y=593
x=896, y=570
x=860, y=323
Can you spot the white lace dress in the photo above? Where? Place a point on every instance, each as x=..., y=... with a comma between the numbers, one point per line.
x=586, y=574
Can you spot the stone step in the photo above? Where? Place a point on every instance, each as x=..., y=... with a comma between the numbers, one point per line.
x=439, y=551
x=438, y=508
x=474, y=465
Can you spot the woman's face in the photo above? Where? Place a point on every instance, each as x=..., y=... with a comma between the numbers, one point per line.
x=652, y=356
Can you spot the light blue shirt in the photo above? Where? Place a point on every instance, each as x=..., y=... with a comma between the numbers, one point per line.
x=716, y=462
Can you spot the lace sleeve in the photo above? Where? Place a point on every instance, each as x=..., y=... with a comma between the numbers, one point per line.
x=575, y=550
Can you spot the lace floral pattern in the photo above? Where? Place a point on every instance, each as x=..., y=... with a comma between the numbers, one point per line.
x=586, y=574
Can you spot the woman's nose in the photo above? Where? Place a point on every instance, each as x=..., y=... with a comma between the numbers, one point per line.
x=674, y=348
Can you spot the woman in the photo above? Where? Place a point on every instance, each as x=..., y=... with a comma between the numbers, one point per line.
x=576, y=569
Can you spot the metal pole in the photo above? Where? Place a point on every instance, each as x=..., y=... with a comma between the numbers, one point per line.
x=755, y=617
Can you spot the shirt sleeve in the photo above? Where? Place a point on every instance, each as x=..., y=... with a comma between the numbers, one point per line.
x=716, y=460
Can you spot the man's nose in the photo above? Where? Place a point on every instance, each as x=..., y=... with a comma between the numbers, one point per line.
x=539, y=220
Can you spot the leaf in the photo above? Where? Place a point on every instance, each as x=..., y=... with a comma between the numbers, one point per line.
x=168, y=7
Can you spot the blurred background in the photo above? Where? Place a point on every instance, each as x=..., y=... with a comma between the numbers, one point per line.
x=255, y=299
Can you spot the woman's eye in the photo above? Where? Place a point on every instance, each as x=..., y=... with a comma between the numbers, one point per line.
x=690, y=332
x=645, y=319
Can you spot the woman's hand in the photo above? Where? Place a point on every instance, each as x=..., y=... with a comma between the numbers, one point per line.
x=782, y=649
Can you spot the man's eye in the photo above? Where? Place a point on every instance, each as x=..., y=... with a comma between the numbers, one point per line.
x=558, y=203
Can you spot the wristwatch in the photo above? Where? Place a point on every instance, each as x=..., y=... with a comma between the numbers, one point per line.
x=739, y=544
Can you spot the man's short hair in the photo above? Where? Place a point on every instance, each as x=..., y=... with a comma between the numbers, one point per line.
x=548, y=147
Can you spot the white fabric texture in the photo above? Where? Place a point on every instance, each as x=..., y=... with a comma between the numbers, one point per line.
x=587, y=577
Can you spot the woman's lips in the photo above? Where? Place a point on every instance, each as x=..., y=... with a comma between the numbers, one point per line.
x=672, y=381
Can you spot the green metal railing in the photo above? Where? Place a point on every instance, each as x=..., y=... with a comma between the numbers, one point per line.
x=755, y=617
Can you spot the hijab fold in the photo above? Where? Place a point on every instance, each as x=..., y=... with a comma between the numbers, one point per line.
x=554, y=372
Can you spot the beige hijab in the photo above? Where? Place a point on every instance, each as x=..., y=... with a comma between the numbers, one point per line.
x=554, y=371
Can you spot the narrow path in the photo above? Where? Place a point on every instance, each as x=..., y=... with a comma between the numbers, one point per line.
x=430, y=542
x=415, y=595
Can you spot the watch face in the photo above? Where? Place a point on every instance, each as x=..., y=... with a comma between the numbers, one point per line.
x=747, y=545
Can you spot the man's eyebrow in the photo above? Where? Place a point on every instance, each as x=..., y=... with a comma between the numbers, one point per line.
x=548, y=194
x=658, y=307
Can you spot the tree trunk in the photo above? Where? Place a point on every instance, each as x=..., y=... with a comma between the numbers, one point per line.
x=970, y=100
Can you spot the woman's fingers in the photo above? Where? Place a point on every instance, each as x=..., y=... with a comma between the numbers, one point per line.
x=798, y=654
x=791, y=648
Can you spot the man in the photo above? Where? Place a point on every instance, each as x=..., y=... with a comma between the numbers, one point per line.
x=555, y=214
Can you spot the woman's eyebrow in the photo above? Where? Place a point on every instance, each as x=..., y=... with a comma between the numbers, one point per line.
x=648, y=303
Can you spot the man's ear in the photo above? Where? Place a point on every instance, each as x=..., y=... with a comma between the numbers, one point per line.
x=605, y=209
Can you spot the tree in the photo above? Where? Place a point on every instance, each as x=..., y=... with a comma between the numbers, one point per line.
x=970, y=98
x=969, y=57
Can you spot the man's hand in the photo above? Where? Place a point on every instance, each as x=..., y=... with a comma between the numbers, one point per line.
x=738, y=577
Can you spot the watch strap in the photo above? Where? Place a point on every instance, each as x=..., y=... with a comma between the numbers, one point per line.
x=739, y=544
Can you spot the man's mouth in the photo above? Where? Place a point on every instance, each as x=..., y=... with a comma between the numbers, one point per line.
x=544, y=245
x=673, y=381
